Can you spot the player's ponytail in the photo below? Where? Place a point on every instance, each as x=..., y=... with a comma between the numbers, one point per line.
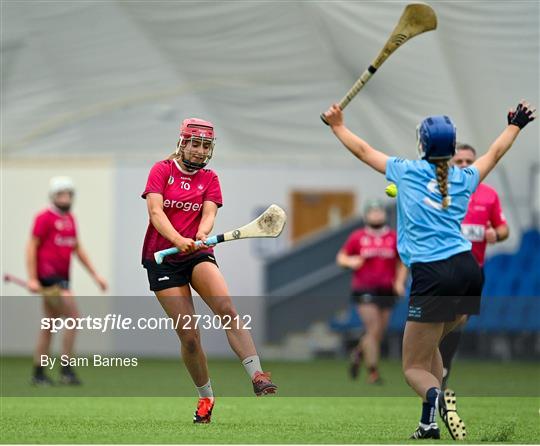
x=442, y=182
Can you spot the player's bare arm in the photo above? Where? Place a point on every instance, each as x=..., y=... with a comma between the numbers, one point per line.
x=517, y=120
x=498, y=234
x=83, y=257
x=351, y=262
x=498, y=148
x=209, y=212
x=503, y=232
x=31, y=264
x=356, y=145
x=162, y=224
x=401, y=278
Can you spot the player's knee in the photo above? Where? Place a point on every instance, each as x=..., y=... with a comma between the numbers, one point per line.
x=190, y=343
x=190, y=346
x=46, y=333
x=375, y=333
x=378, y=333
x=72, y=314
x=227, y=309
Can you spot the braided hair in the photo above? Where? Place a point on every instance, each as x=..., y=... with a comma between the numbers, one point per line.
x=442, y=182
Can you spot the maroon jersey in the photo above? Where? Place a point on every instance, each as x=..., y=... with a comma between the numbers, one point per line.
x=57, y=234
x=379, y=249
x=484, y=210
x=183, y=196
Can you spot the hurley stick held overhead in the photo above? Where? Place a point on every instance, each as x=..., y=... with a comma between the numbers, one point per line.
x=417, y=18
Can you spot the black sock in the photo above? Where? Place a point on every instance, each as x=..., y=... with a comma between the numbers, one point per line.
x=448, y=348
x=39, y=371
x=431, y=396
x=428, y=414
x=66, y=370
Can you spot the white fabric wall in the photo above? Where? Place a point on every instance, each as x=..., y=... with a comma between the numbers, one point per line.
x=116, y=78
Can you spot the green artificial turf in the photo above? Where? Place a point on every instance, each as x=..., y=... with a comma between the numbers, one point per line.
x=254, y=420
x=144, y=415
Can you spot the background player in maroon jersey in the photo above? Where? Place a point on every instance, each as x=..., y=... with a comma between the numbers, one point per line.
x=379, y=277
x=182, y=199
x=48, y=257
x=484, y=223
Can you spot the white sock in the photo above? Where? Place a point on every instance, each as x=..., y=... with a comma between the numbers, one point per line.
x=206, y=390
x=252, y=364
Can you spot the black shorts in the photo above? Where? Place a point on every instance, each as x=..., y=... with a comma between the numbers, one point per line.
x=381, y=298
x=170, y=275
x=61, y=282
x=443, y=289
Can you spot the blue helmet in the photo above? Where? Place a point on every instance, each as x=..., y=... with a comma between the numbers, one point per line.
x=436, y=138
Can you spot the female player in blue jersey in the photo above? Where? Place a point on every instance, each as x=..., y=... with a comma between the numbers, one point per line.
x=446, y=280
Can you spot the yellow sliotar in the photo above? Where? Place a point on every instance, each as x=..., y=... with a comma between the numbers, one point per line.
x=391, y=190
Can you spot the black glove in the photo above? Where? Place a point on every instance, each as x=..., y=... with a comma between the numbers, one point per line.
x=521, y=116
x=510, y=116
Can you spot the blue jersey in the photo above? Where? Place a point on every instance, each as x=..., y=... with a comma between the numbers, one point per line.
x=426, y=231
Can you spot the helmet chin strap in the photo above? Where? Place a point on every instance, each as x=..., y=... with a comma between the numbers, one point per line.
x=191, y=166
x=188, y=165
x=64, y=207
x=377, y=226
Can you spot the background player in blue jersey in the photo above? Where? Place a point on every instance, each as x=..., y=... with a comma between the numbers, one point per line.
x=446, y=280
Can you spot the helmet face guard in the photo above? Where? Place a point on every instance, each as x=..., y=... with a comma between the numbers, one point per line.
x=195, y=152
x=436, y=138
x=196, y=144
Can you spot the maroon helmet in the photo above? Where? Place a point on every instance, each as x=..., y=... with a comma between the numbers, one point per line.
x=201, y=135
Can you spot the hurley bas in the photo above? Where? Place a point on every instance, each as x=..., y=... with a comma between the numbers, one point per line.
x=95, y=361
